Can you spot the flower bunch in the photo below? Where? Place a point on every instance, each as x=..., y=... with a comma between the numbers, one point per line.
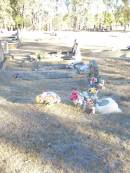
x=38, y=99
x=93, y=81
x=96, y=83
x=90, y=103
x=48, y=98
x=88, y=99
x=84, y=99
x=76, y=97
x=100, y=85
x=88, y=106
x=93, y=90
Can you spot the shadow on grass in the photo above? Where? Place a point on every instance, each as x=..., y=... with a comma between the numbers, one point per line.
x=57, y=141
x=116, y=124
x=29, y=84
x=42, y=47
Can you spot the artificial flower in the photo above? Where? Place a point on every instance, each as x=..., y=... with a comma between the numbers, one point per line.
x=92, y=90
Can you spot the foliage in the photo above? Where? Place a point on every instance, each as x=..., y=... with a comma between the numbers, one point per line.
x=19, y=20
x=122, y=15
x=50, y=15
x=108, y=19
x=5, y=14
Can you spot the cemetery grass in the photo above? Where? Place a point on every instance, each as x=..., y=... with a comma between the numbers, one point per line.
x=62, y=138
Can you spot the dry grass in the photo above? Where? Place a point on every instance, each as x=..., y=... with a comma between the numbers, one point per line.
x=61, y=138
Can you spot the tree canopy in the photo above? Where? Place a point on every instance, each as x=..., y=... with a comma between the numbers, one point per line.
x=63, y=14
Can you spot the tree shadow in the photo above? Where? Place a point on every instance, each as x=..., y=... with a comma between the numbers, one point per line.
x=42, y=46
x=23, y=86
x=115, y=124
x=55, y=140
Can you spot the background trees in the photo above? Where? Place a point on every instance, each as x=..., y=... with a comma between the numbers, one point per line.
x=64, y=14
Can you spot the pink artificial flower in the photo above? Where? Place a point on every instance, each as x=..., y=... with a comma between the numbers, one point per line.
x=74, y=95
x=89, y=103
x=93, y=80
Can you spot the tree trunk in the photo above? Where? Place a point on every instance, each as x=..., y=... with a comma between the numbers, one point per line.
x=124, y=27
x=75, y=23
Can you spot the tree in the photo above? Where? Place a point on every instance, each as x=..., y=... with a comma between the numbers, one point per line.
x=77, y=12
x=41, y=14
x=5, y=14
x=108, y=19
x=122, y=14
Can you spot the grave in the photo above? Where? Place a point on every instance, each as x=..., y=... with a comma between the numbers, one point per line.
x=2, y=57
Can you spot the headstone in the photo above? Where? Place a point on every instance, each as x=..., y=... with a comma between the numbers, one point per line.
x=2, y=58
x=93, y=70
x=5, y=47
x=107, y=106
